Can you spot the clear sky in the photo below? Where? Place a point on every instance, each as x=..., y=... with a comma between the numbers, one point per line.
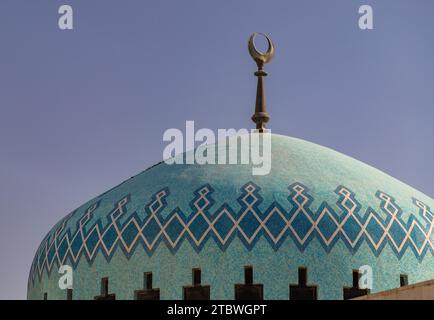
x=82, y=110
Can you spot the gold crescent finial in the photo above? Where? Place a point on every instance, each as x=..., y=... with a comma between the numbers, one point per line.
x=260, y=57
x=261, y=116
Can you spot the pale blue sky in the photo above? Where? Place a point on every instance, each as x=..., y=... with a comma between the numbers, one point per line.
x=81, y=111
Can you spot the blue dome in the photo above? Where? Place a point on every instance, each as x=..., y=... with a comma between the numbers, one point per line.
x=317, y=209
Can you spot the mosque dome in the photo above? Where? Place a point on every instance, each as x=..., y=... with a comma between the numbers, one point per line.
x=306, y=230
x=317, y=212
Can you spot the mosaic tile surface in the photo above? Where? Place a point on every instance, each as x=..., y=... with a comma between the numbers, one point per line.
x=314, y=197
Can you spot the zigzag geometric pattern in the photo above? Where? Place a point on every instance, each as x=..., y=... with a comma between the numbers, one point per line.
x=249, y=224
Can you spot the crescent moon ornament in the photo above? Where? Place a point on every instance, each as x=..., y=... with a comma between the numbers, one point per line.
x=261, y=116
x=260, y=57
